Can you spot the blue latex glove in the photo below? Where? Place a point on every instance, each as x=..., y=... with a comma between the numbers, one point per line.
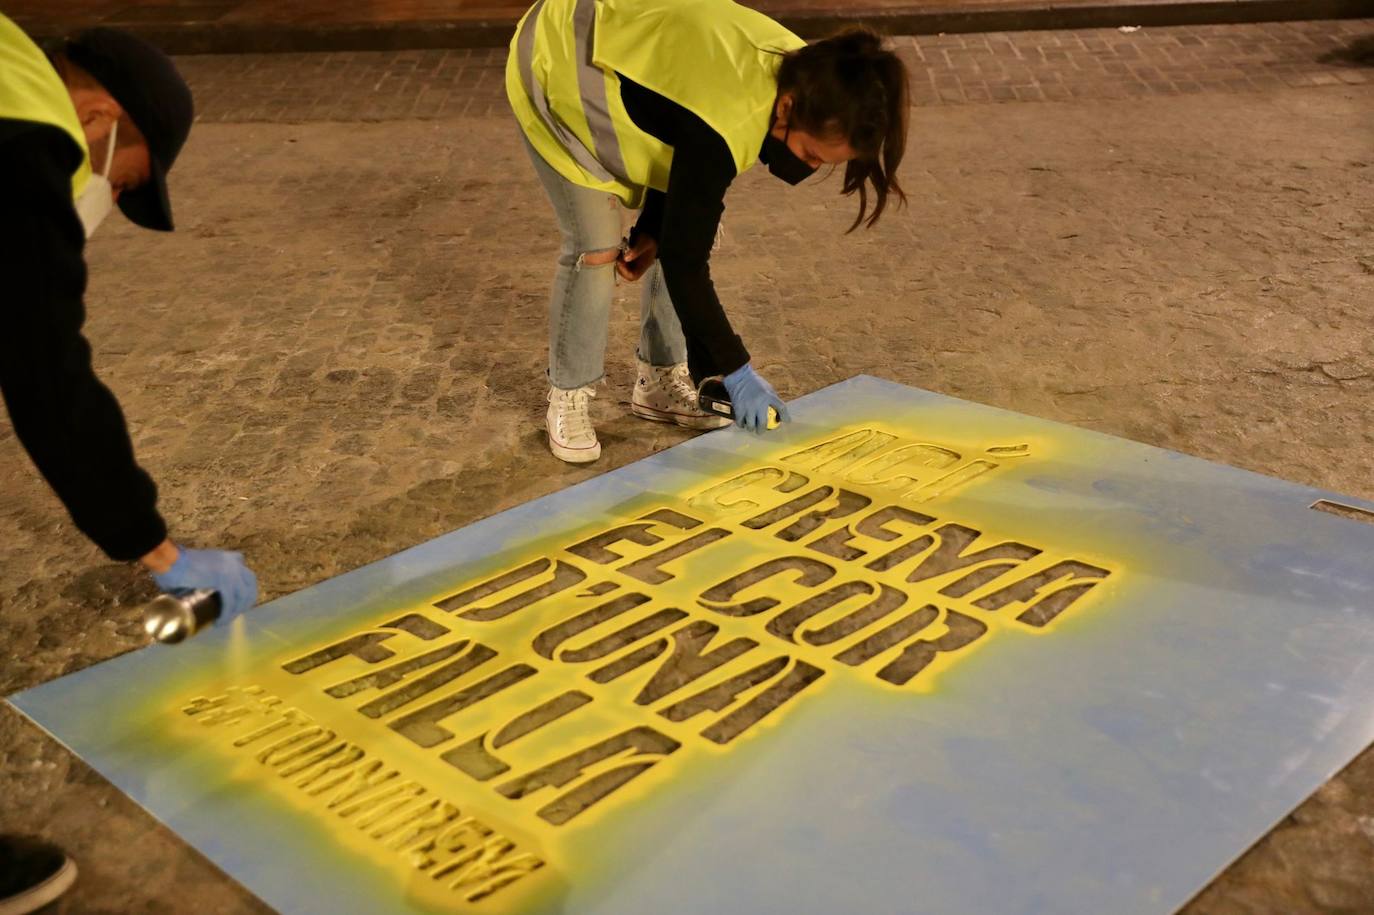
x=220, y=570
x=750, y=398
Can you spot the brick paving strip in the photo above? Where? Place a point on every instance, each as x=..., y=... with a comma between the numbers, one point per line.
x=256, y=26
x=945, y=70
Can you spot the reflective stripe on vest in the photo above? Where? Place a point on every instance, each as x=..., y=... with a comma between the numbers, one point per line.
x=605, y=161
x=715, y=58
x=592, y=81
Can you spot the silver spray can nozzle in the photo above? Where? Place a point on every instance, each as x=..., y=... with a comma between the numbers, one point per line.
x=180, y=614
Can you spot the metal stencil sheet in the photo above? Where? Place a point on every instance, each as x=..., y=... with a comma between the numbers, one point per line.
x=905, y=654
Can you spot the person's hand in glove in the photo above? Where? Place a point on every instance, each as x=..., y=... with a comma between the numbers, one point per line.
x=750, y=398
x=218, y=570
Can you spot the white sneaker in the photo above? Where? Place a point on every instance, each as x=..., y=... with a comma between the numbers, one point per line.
x=571, y=436
x=665, y=394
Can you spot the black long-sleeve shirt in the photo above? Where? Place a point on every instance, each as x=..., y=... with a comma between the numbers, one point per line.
x=684, y=222
x=68, y=421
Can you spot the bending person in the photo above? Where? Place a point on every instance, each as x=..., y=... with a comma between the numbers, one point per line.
x=111, y=101
x=659, y=104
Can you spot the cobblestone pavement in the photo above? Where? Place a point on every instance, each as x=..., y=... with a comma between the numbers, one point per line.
x=339, y=353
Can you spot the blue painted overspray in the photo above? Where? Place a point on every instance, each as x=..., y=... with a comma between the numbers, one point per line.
x=1108, y=751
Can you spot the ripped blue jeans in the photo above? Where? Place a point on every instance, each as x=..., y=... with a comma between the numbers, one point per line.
x=580, y=304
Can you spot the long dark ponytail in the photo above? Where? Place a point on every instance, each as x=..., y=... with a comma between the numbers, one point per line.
x=849, y=85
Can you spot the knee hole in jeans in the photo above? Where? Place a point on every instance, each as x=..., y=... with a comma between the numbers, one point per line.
x=602, y=258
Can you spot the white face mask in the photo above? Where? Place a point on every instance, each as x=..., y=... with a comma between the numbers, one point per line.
x=97, y=199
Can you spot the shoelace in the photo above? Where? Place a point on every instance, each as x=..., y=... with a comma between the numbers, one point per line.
x=680, y=386
x=574, y=415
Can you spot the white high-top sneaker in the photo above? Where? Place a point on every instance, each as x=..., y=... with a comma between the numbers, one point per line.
x=571, y=436
x=665, y=394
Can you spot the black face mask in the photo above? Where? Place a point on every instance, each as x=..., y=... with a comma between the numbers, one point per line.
x=784, y=163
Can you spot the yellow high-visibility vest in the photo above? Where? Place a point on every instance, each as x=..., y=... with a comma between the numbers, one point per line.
x=31, y=90
x=715, y=58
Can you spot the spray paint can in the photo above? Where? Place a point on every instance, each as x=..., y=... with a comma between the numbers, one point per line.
x=713, y=397
x=181, y=613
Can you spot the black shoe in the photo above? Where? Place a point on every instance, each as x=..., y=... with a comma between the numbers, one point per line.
x=33, y=874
